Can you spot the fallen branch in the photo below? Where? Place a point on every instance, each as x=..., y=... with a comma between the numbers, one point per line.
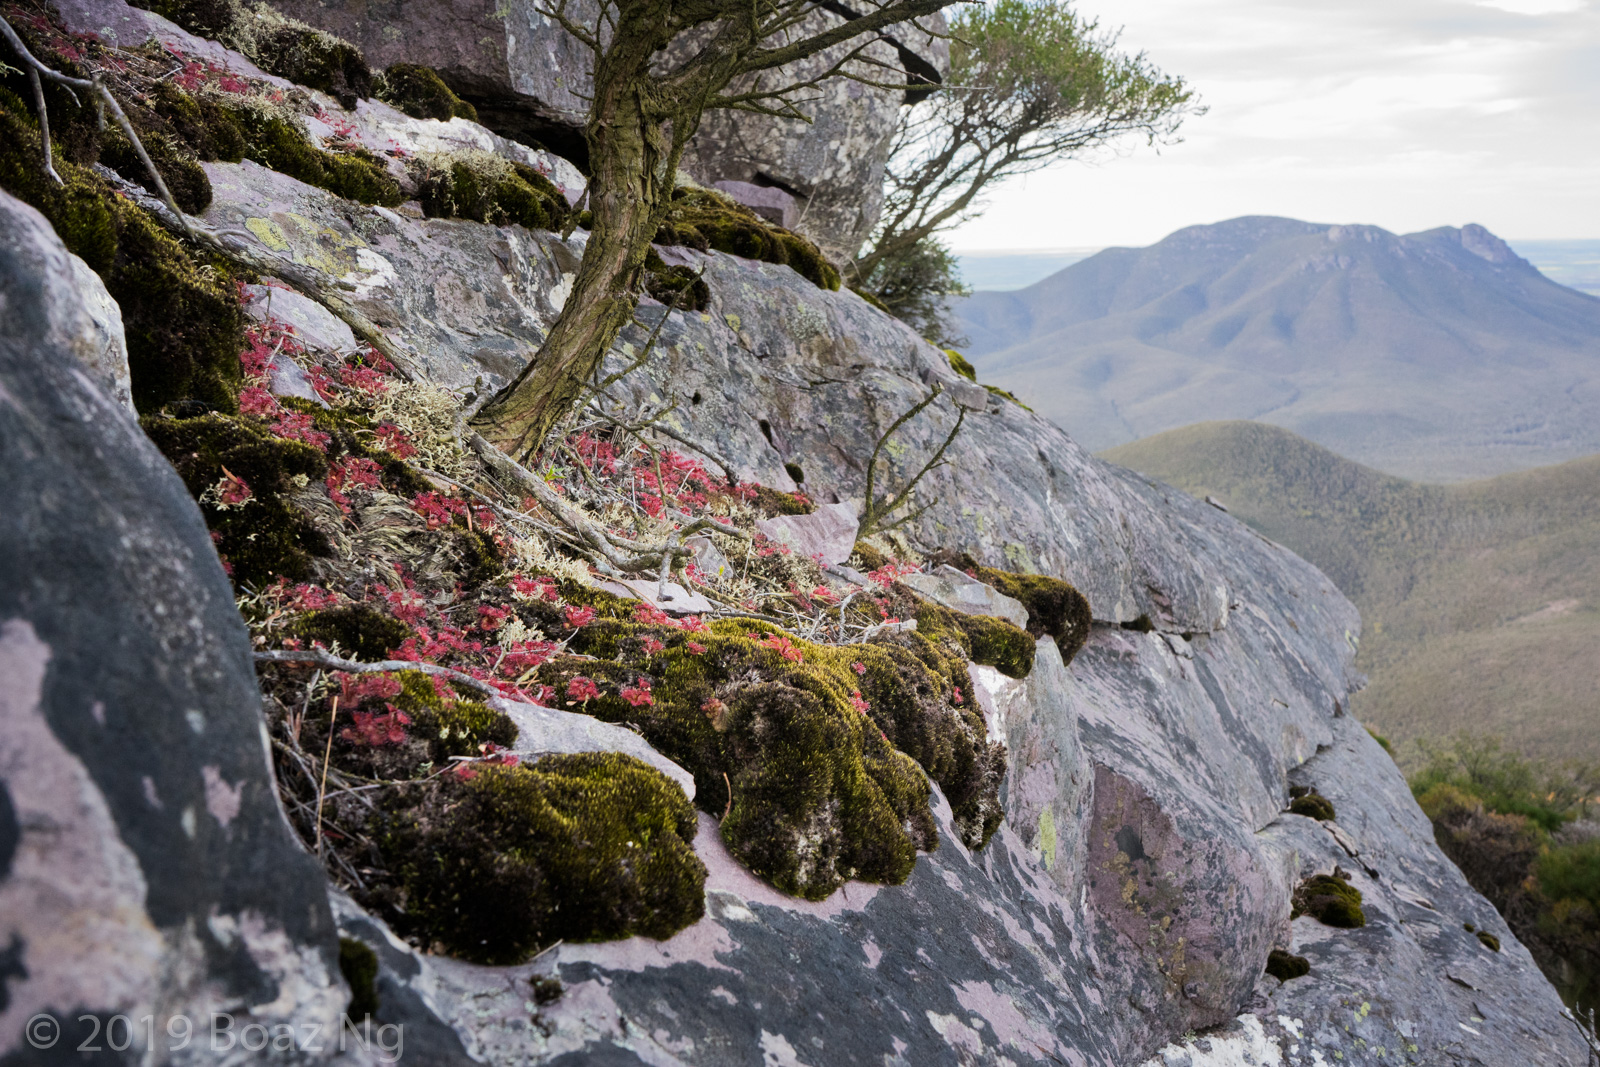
x=602, y=547
x=36, y=70
x=322, y=658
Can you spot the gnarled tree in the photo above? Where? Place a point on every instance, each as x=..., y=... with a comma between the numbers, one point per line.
x=658, y=65
x=1031, y=83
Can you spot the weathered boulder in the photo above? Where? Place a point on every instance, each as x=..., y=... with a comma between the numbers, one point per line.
x=145, y=864
x=312, y=324
x=960, y=592
x=83, y=322
x=827, y=535
x=529, y=79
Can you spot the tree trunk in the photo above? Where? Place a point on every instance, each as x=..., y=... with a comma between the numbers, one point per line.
x=626, y=196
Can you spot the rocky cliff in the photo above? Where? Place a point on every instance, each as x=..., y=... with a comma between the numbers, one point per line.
x=1147, y=867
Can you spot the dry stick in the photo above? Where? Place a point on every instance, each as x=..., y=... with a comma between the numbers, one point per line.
x=327, y=755
x=729, y=784
x=37, y=69
x=388, y=666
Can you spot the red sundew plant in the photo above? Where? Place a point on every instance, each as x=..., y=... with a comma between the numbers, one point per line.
x=650, y=615
x=577, y=617
x=694, y=624
x=859, y=667
x=540, y=588
x=638, y=695
x=439, y=510
x=492, y=618
x=885, y=575
x=695, y=648
x=779, y=643
x=958, y=698
x=858, y=702
x=582, y=689
x=394, y=441
x=356, y=688
x=652, y=646
x=378, y=728
x=232, y=490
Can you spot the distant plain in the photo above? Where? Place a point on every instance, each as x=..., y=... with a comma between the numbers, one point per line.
x=1480, y=601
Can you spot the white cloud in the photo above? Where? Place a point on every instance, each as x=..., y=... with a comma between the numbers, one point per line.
x=1405, y=113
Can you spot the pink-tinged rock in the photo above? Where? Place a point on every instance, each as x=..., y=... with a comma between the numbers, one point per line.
x=676, y=600
x=959, y=591
x=314, y=325
x=827, y=534
x=771, y=203
x=285, y=377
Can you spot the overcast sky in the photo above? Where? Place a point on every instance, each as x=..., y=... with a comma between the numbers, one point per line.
x=1407, y=114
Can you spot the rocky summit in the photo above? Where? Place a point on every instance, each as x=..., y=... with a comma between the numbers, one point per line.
x=322, y=732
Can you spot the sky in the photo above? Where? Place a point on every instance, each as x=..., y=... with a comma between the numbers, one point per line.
x=1406, y=114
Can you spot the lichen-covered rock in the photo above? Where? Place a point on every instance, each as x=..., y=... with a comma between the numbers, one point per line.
x=146, y=867
x=955, y=590
x=85, y=322
x=827, y=534
x=530, y=80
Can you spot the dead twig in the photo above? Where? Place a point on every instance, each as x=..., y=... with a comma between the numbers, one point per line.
x=327, y=756
x=327, y=659
x=877, y=510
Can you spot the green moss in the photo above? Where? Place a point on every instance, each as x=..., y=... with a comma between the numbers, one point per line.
x=181, y=318
x=959, y=364
x=870, y=557
x=579, y=848
x=997, y=391
x=772, y=502
x=422, y=94
x=361, y=632
x=545, y=990
x=1331, y=900
x=277, y=143
x=983, y=639
x=1313, y=806
x=1285, y=966
x=678, y=287
x=704, y=219
x=1383, y=742
x=311, y=57
x=359, y=965
x=265, y=537
x=872, y=298
x=486, y=188
x=1490, y=942
x=1141, y=625
x=1055, y=608
x=819, y=792
x=185, y=179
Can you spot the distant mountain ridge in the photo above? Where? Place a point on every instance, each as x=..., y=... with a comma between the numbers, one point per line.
x=1480, y=602
x=1439, y=355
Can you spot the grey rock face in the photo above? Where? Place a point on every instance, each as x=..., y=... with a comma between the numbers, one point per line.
x=1145, y=868
x=959, y=592
x=771, y=203
x=83, y=322
x=529, y=79
x=314, y=325
x=827, y=535
x=833, y=164
x=145, y=865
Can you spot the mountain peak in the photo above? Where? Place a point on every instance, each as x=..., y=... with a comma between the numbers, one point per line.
x=1439, y=355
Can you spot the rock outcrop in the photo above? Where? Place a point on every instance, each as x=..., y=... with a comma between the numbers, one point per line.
x=1146, y=868
x=529, y=79
x=145, y=866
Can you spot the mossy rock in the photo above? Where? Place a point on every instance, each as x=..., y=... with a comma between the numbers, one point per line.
x=984, y=639
x=959, y=364
x=854, y=805
x=1331, y=900
x=1490, y=942
x=213, y=19
x=422, y=94
x=265, y=537
x=678, y=287
x=706, y=220
x=871, y=558
x=361, y=632
x=279, y=144
x=1286, y=966
x=1313, y=806
x=1055, y=608
x=359, y=965
x=185, y=178
x=182, y=320
x=313, y=58
x=485, y=188
x=586, y=847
